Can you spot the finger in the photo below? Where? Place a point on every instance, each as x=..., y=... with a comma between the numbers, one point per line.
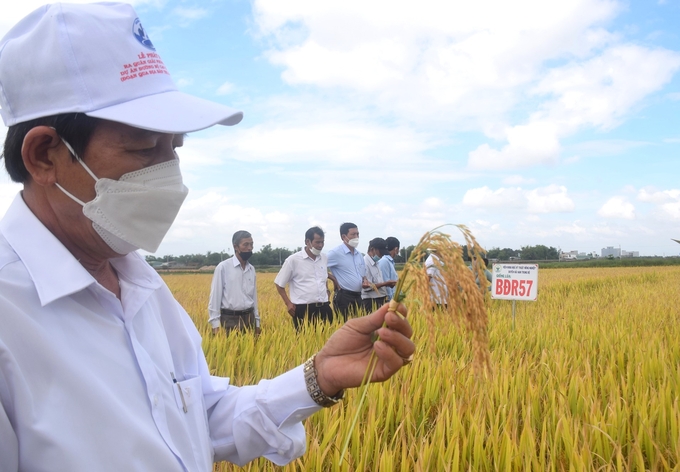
x=369, y=323
x=392, y=361
x=397, y=341
x=392, y=321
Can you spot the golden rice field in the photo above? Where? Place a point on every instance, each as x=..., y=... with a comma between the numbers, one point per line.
x=589, y=379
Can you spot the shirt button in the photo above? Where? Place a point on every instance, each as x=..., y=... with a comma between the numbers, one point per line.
x=281, y=452
x=155, y=400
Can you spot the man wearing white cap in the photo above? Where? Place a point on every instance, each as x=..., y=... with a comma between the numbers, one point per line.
x=100, y=368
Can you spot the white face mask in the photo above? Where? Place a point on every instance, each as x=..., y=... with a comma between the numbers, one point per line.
x=315, y=251
x=353, y=242
x=137, y=210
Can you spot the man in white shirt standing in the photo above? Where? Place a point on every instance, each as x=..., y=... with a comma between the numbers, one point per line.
x=438, y=289
x=376, y=295
x=100, y=367
x=306, y=274
x=233, y=293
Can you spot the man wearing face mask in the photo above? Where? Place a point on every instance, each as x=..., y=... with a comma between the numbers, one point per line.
x=348, y=272
x=306, y=274
x=233, y=293
x=100, y=367
x=376, y=295
x=386, y=263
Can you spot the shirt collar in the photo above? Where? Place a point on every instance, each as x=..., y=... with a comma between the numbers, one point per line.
x=53, y=269
x=236, y=263
x=303, y=255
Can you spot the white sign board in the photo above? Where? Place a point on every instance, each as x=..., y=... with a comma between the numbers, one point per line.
x=514, y=282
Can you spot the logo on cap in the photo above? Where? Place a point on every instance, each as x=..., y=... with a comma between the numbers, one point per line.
x=140, y=34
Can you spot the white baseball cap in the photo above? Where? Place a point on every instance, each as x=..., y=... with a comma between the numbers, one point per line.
x=95, y=59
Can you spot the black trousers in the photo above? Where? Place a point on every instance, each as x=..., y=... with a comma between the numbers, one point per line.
x=346, y=303
x=372, y=304
x=311, y=313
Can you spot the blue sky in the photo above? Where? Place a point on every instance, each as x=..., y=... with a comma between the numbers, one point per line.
x=532, y=122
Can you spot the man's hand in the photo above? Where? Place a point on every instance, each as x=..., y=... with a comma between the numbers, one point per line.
x=391, y=283
x=365, y=283
x=216, y=330
x=343, y=360
x=257, y=331
x=291, y=308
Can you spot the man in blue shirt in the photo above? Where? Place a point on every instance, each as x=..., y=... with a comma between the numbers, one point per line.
x=348, y=272
x=386, y=264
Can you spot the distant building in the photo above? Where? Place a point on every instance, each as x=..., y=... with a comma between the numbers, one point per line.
x=568, y=255
x=574, y=256
x=611, y=251
x=618, y=253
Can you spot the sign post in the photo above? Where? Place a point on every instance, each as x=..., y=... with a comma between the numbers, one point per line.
x=514, y=282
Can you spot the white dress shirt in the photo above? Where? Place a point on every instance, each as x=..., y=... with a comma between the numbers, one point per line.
x=437, y=284
x=233, y=288
x=307, y=278
x=374, y=276
x=86, y=379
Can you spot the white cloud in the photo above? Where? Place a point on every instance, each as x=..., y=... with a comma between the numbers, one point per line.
x=617, y=207
x=184, y=82
x=517, y=180
x=307, y=136
x=605, y=147
x=649, y=195
x=528, y=145
x=225, y=89
x=469, y=66
x=667, y=201
x=602, y=90
x=438, y=62
x=550, y=199
x=574, y=228
x=189, y=15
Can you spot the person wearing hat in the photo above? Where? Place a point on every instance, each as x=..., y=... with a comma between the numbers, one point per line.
x=386, y=263
x=375, y=295
x=100, y=367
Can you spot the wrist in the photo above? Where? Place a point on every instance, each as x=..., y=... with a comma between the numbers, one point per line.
x=324, y=396
x=327, y=386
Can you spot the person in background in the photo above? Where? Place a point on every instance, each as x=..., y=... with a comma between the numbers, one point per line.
x=376, y=295
x=438, y=288
x=306, y=274
x=386, y=264
x=348, y=272
x=487, y=272
x=233, y=293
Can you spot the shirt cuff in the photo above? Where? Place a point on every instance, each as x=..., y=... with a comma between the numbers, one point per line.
x=287, y=400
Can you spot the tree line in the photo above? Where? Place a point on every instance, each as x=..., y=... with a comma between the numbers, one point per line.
x=269, y=256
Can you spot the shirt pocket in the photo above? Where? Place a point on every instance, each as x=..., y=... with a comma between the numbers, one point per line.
x=190, y=402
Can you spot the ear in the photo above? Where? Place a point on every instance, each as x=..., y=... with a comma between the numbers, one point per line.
x=40, y=150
